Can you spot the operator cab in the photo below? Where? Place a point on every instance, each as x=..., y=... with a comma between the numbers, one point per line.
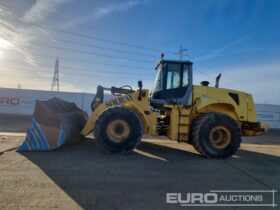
x=173, y=83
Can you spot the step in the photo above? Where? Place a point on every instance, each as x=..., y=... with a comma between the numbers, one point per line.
x=184, y=115
x=184, y=124
x=183, y=137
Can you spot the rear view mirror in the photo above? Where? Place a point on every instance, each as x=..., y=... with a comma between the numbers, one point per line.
x=140, y=84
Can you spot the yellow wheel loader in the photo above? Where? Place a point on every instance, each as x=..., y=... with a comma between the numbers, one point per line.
x=212, y=119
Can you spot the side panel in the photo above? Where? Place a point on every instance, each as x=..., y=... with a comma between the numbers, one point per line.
x=217, y=99
x=238, y=105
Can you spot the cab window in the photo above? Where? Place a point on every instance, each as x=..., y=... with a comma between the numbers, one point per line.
x=173, y=76
x=185, y=79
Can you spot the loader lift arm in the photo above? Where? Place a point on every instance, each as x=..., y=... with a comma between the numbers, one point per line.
x=99, y=97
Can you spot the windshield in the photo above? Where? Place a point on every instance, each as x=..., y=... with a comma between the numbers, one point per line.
x=158, y=85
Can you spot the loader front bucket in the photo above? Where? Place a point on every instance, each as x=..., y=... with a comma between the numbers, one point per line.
x=55, y=122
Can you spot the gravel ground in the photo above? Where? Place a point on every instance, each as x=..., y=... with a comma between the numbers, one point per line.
x=82, y=177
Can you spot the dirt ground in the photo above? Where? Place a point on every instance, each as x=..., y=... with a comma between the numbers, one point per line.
x=82, y=177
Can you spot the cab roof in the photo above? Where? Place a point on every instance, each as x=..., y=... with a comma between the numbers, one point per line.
x=174, y=61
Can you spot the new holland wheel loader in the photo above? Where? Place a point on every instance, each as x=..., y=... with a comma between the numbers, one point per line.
x=212, y=119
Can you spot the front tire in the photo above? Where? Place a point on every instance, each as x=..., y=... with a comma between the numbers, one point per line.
x=216, y=135
x=118, y=130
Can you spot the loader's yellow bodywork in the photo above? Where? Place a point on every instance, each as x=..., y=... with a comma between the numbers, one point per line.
x=210, y=99
x=204, y=99
x=212, y=119
x=141, y=107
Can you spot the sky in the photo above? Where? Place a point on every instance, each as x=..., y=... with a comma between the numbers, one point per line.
x=118, y=42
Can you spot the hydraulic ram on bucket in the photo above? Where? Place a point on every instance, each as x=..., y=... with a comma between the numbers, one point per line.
x=55, y=122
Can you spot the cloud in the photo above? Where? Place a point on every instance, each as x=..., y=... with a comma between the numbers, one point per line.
x=259, y=79
x=20, y=33
x=42, y=9
x=4, y=11
x=102, y=11
x=11, y=33
x=106, y=10
x=221, y=50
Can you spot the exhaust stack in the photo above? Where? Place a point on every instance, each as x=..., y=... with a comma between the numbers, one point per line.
x=218, y=80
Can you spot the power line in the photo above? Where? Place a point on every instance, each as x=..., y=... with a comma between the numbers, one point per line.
x=112, y=42
x=109, y=41
x=180, y=52
x=119, y=73
x=89, y=52
x=106, y=48
x=85, y=61
x=79, y=61
x=89, y=45
x=67, y=77
x=71, y=59
x=207, y=75
x=84, y=69
x=63, y=79
x=73, y=72
x=212, y=69
x=109, y=72
x=85, y=77
x=92, y=37
x=67, y=69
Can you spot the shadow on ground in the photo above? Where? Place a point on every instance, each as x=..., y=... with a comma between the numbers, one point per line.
x=96, y=180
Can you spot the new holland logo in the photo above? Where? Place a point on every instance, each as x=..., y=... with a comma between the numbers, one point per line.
x=118, y=100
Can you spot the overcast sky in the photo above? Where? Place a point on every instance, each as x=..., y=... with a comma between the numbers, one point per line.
x=111, y=42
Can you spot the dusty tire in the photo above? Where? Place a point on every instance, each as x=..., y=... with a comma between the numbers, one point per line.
x=216, y=135
x=118, y=130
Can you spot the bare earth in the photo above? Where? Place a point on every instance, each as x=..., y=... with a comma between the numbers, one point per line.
x=82, y=177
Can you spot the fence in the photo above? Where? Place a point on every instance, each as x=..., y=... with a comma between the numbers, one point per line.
x=19, y=101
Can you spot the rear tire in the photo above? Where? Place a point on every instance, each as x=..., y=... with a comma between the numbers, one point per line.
x=118, y=130
x=216, y=135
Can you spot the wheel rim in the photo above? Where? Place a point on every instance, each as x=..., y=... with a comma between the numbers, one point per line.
x=220, y=137
x=118, y=130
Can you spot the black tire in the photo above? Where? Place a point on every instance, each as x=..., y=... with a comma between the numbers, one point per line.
x=204, y=136
x=118, y=130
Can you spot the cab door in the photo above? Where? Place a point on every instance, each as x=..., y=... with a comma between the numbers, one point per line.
x=173, y=83
x=176, y=80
